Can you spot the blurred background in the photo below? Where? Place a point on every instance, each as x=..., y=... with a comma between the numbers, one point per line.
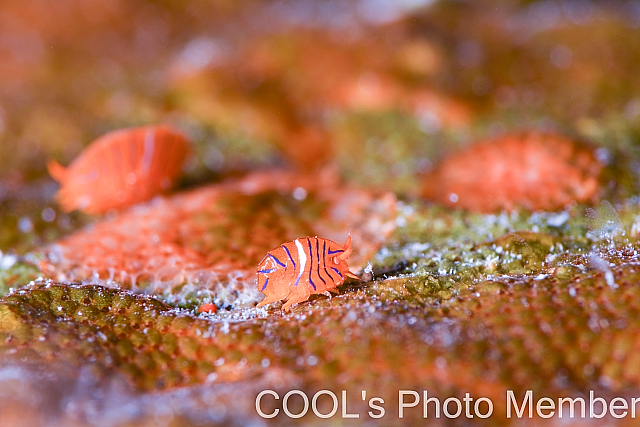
x=379, y=87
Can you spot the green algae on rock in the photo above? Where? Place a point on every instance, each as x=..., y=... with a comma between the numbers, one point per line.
x=140, y=337
x=510, y=333
x=15, y=273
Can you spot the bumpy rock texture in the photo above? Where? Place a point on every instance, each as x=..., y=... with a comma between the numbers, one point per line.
x=556, y=333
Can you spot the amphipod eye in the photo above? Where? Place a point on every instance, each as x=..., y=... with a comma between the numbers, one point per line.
x=336, y=260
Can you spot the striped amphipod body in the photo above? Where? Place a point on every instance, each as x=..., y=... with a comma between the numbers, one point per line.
x=121, y=168
x=296, y=269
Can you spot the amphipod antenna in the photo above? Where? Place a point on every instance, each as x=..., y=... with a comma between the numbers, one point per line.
x=344, y=256
x=57, y=171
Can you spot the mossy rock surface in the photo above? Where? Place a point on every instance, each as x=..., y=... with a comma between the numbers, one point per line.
x=547, y=333
x=358, y=110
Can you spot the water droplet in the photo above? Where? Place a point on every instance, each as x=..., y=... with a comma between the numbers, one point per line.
x=48, y=215
x=25, y=225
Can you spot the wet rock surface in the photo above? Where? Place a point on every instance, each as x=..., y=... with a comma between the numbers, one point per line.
x=553, y=333
x=311, y=118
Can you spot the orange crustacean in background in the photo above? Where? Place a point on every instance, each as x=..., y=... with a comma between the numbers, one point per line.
x=531, y=170
x=121, y=168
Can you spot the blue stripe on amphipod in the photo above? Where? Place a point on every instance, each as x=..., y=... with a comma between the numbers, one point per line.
x=335, y=252
x=267, y=271
x=277, y=261
x=265, y=285
x=318, y=255
x=324, y=260
x=336, y=270
x=310, y=265
x=289, y=253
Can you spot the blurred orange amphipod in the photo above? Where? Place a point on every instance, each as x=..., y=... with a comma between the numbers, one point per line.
x=208, y=308
x=121, y=168
x=297, y=269
x=531, y=170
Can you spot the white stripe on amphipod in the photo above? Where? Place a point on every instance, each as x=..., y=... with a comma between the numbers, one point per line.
x=147, y=154
x=302, y=260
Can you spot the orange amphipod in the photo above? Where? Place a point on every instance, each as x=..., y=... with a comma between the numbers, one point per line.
x=208, y=308
x=121, y=168
x=297, y=269
x=531, y=170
